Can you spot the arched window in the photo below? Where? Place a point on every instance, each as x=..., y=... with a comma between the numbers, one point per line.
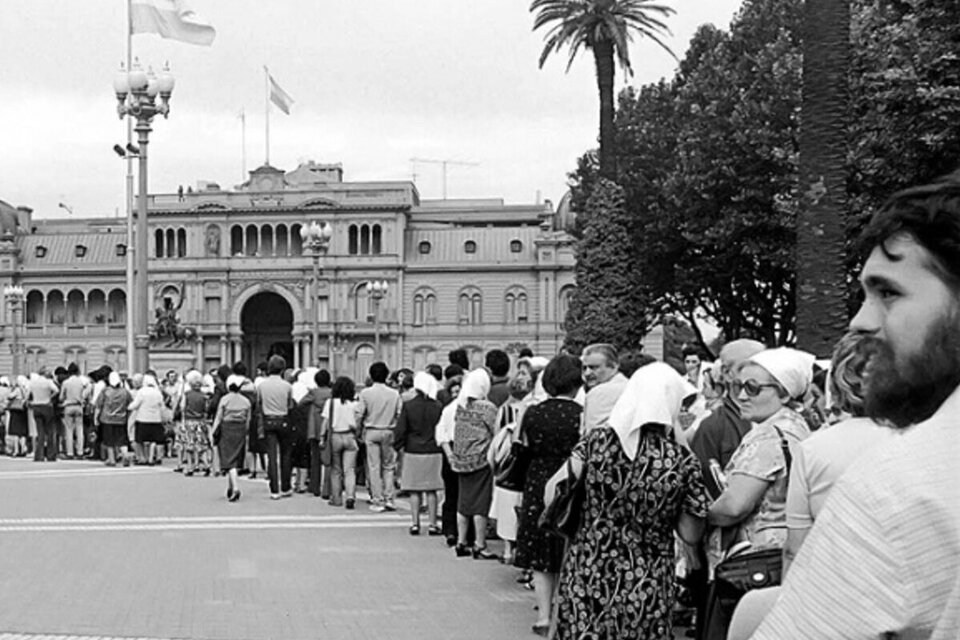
x=362, y=307
x=424, y=247
x=55, y=308
x=296, y=242
x=76, y=307
x=117, y=307
x=236, y=240
x=424, y=307
x=33, y=309
x=252, y=247
x=431, y=310
x=352, y=240
x=181, y=243
x=418, y=309
x=266, y=240
x=470, y=246
x=515, y=306
x=522, y=308
x=365, y=240
x=158, y=243
x=283, y=245
x=97, y=307
x=377, y=239
x=171, y=246
x=470, y=307
x=364, y=358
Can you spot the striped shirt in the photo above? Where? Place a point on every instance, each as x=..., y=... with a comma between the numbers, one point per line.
x=884, y=554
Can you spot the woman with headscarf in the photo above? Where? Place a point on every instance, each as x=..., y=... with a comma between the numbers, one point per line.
x=230, y=426
x=422, y=457
x=18, y=428
x=110, y=414
x=550, y=429
x=473, y=419
x=193, y=412
x=301, y=383
x=526, y=390
x=147, y=406
x=751, y=512
x=617, y=579
x=451, y=481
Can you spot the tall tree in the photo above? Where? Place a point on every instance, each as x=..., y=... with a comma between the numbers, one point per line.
x=606, y=28
x=821, y=228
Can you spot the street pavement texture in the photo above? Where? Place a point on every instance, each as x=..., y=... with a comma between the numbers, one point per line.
x=88, y=551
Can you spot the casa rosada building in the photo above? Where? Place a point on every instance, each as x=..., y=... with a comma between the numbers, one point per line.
x=477, y=274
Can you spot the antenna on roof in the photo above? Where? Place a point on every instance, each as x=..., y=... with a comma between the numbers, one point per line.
x=444, y=164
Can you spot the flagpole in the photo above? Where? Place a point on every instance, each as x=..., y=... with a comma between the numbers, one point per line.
x=130, y=243
x=266, y=107
x=243, y=144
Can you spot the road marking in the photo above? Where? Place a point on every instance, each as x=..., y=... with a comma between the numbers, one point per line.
x=199, y=523
x=48, y=636
x=40, y=474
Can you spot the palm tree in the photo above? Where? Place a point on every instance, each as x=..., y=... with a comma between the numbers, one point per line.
x=605, y=27
x=821, y=270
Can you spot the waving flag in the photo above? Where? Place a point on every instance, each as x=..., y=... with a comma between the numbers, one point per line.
x=278, y=96
x=171, y=19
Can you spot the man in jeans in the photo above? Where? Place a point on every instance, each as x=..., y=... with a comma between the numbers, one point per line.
x=377, y=412
x=42, y=391
x=275, y=399
x=72, y=397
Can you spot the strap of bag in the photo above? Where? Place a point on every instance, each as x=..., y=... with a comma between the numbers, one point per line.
x=785, y=447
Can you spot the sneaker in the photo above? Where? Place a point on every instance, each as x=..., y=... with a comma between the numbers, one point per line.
x=377, y=508
x=275, y=496
x=287, y=494
x=351, y=503
x=389, y=506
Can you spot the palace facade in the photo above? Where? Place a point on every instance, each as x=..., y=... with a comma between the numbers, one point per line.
x=477, y=274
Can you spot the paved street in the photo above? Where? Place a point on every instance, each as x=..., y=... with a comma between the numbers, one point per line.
x=89, y=551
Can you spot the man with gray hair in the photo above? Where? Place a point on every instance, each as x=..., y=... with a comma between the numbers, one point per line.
x=603, y=382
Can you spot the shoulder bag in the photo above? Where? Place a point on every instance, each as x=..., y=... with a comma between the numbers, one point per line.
x=562, y=516
x=511, y=472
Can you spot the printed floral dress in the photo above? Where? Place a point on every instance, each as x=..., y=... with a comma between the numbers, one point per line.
x=618, y=574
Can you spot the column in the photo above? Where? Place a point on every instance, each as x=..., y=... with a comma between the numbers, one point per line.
x=224, y=340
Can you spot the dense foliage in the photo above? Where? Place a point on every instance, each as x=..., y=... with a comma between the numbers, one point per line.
x=708, y=162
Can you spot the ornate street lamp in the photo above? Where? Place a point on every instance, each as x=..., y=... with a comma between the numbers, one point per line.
x=14, y=295
x=376, y=290
x=136, y=97
x=316, y=239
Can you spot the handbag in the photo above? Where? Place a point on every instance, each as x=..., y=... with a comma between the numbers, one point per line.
x=751, y=570
x=562, y=516
x=511, y=473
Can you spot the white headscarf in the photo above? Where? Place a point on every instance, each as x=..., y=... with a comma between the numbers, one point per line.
x=302, y=385
x=113, y=379
x=426, y=384
x=653, y=394
x=234, y=379
x=476, y=385
x=792, y=368
x=149, y=380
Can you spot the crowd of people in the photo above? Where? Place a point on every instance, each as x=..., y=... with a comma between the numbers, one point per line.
x=839, y=477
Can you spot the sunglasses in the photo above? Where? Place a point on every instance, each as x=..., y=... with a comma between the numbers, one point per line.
x=752, y=387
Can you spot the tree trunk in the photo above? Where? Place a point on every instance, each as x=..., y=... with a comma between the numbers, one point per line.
x=603, y=57
x=821, y=276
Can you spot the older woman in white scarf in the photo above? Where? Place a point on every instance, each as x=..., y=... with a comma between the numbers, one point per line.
x=422, y=458
x=641, y=487
x=18, y=424
x=465, y=432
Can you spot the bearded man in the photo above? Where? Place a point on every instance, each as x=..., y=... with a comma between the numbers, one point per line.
x=883, y=559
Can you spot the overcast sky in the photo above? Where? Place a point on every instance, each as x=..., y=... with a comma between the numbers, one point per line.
x=375, y=83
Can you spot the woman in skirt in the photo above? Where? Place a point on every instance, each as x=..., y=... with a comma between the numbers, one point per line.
x=148, y=406
x=18, y=428
x=422, y=457
x=110, y=415
x=230, y=426
x=193, y=408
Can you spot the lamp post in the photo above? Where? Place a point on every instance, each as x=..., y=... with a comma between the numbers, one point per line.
x=136, y=97
x=316, y=239
x=13, y=294
x=376, y=290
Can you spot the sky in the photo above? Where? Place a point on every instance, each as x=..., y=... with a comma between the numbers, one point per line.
x=374, y=83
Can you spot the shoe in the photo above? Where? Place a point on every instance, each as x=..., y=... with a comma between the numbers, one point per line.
x=229, y=494
x=287, y=494
x=377, y=508
x=126, y=462
x=434, y=530
x=350, y=504
x=482, y=553
x=206, y=472
x=110, y=464
x=243, y=472
x=415, y=530
x=525, y=577
x=451, y=541
x=187, y=474
x=389, y=506
x=275, y=496
x=541, y=629
x=178, y=469
x=462, y=550
x=300, y=490
x=253, y=475
x=235, y=497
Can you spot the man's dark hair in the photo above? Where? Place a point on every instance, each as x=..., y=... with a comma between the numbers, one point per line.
x=261, y=366
x=525, y=352
x=322, y=378
x=498, y=362
x=275, y=365
x=224, y=371
x=630, y=362
x=930, y=214
x=460, y=357
x=691, y=350
x=73, y=369
x=452, y=371
x=435, y=370
x=563, y=375
x=344, y=389
x=239, y=368
x=379, y=372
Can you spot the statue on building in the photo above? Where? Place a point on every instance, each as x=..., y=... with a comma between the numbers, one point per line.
x=167, y=323
x=212, y=240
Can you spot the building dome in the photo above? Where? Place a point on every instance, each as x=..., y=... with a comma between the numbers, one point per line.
x=565, y=219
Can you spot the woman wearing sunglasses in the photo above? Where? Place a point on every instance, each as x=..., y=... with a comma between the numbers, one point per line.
x=750, y=514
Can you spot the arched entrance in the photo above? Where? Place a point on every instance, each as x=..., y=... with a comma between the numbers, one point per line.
x=267, y=324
